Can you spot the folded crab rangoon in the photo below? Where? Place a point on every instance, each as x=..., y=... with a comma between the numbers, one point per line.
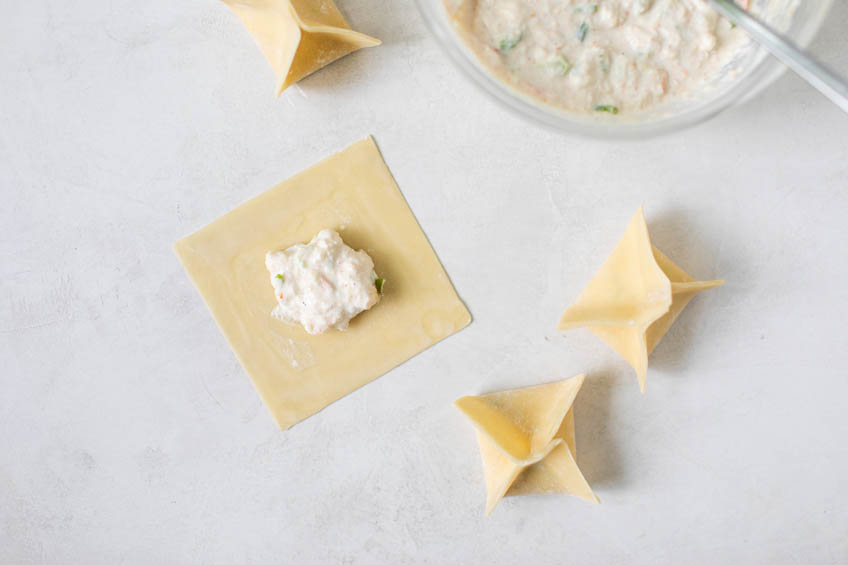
x=298, y=37
x=527, y=442
x=634, y=298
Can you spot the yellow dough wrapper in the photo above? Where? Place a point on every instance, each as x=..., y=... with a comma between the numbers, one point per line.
x=527, y=442
x=298, y=37
x=298, y=374
x=634, y=298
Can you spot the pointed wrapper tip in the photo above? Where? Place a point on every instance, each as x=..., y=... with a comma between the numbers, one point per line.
x=629, y=288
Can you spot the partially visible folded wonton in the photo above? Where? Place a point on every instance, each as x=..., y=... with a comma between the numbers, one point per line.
x=298, y=37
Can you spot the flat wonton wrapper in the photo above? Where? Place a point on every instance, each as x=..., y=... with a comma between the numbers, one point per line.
x=298, y=37
x=526, y=438
x=635, y=297
x=298, y=374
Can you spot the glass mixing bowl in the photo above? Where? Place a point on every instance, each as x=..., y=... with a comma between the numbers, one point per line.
x=751, y=71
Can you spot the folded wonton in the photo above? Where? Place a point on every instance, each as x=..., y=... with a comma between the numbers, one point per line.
x=634, y=298
x=527, y=441
x=298, y=37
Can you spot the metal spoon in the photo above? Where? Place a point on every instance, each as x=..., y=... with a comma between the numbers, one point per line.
x=825, y=80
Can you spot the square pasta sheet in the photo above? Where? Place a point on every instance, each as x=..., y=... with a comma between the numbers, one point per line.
x=298, y=374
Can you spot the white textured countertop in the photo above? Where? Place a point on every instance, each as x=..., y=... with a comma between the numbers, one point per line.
x=130, y=434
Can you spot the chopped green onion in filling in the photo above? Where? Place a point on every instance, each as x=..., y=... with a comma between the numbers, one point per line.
x=604, y=63
x=561, y=65
x=606, y=108
x=509, y=43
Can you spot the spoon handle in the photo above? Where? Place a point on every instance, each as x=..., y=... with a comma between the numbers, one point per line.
x=822, y=78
